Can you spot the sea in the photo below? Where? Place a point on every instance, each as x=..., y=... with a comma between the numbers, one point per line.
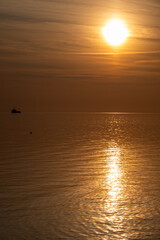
x=79, y=176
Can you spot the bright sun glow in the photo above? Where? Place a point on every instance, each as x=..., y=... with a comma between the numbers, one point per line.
x=115, y=32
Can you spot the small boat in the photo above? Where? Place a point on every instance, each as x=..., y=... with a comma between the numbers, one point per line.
x=15, y=111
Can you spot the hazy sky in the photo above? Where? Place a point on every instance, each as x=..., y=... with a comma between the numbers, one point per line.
x=53, y=56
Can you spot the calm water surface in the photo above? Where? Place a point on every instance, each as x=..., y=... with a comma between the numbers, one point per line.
x=79, y=176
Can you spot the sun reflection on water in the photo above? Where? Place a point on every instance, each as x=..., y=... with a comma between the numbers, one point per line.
x=113, y=176
x=113, y=183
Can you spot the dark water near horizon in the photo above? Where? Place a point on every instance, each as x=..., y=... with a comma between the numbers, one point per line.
x=79, y=176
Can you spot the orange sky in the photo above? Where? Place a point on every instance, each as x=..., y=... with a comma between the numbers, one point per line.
x=53, y=56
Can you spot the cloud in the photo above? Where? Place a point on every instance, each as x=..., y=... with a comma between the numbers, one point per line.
x=147, y=39
x=19, y=17
x=117, y=53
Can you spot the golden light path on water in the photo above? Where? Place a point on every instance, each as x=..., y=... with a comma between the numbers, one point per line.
x=113, y=182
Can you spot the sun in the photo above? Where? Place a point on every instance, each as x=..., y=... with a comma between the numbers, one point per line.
x=115, y=32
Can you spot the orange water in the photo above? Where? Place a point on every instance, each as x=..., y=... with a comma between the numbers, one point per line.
x=79, y=176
